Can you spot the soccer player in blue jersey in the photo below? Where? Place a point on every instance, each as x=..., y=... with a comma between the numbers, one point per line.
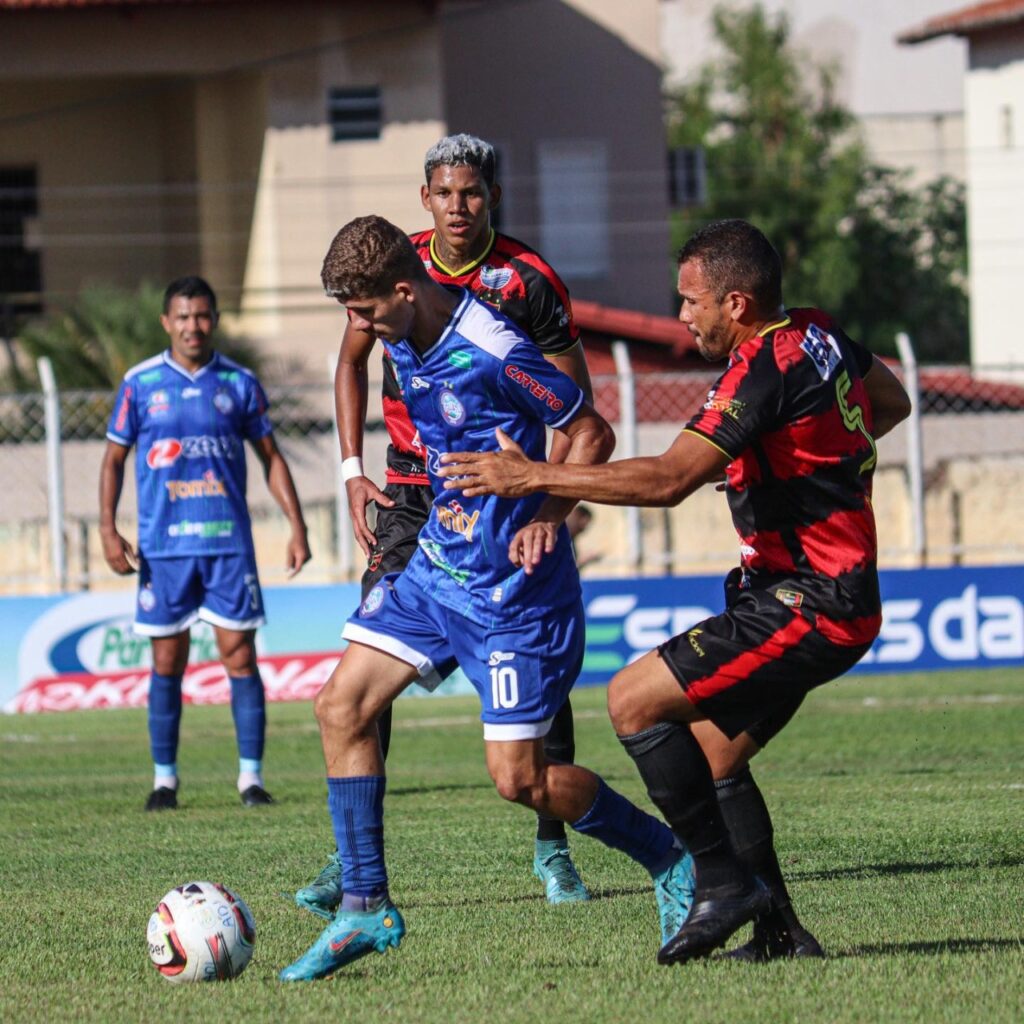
x=477, y=592
x=187, y=412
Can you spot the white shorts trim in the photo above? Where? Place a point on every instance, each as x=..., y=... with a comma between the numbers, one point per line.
x=506, y=732
x=148, y=629
x=239, y=625
x=389, y=645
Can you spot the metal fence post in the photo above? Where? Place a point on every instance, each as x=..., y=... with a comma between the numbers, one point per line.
x=54, y=472
x=915, y=458
x=627, y=434
x=342, y=524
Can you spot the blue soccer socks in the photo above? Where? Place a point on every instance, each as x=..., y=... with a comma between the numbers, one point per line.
x=249, y=710
x=357, y=813
x=164, y=718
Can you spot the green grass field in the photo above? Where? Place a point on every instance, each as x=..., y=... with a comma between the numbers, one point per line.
x=899, y=811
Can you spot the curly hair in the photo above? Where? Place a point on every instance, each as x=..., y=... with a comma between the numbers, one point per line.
x=367, y=257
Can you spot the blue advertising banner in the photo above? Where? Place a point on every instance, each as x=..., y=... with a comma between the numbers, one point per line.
x=73, y=652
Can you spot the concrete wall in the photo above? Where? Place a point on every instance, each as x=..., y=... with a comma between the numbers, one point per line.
x=995, y=196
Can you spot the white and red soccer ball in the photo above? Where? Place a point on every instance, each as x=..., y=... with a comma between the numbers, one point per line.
x=201, y=931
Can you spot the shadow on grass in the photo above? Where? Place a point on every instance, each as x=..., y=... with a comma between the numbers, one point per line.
x=448, y=787
x=928, y=948
x=901, y=868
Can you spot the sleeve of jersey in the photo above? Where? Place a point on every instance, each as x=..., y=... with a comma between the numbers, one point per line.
x=257, y=419
x=742, y=404
x=536, y=388
x=552, y=326
x=123, y=427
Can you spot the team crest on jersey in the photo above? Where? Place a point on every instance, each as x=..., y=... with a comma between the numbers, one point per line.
x=495, y=277
x=452, y=409
x=823, y=350
x=371, y=605
x=223, y=402
x=147, y=599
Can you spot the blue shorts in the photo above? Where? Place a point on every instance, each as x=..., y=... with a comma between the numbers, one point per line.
x=174, y=593
x=523, y=672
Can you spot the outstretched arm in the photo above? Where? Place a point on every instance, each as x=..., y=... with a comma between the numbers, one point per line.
x=351, y=393
x=120, y=555
x=654, y=482
x=282, y=487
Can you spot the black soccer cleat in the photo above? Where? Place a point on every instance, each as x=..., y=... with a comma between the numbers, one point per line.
x=256, y=796
x=163, y=798
x=776, y=943
x=711, y=921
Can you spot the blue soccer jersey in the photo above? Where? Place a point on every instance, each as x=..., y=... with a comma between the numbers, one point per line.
x=481, y=374
x=189, y=432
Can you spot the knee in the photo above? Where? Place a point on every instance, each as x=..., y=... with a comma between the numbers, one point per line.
x=337, y=711
x=627, y=714
x=518, y=787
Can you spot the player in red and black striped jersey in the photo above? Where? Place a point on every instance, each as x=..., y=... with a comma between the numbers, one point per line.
x=463, y=250
x=791, y=424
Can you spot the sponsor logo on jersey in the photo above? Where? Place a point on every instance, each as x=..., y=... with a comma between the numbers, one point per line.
x=435, y=553
x=211, y=528
x=790, y=598
x=694, y=642
x=149, y=376
x=122, y=412
x=191, y=392
x=498, y=657
x=207, y=486
x=147, y=599
x=223, y=402
x=419, y=384
x=823, y=350
x=451, y=408
x=463, y=360
x=164, y=453
x=158, y=404
x=495, y=277
x=455, y=518
x=371, y=604
x=563, y=316
x=726, y=406
x=534, y=386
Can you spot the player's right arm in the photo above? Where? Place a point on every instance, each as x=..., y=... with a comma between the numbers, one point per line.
x=351, y=393
x=890, y=403
x=119, y=553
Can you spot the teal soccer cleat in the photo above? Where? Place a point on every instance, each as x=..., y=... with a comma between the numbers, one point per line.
x=323, y=895
x=673, y=889
x=554, y=867
x=351, y=935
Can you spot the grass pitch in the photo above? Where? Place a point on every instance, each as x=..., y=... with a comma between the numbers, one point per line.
x=899, y=813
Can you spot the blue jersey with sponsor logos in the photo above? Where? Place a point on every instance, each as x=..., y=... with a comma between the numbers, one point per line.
x=484, y=373
x=189, y=432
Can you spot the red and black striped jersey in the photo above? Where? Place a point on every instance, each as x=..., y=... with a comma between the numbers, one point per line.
x=792, y=413
x=513, y=279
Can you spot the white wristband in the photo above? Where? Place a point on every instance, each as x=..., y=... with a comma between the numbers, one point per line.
x=351, y=467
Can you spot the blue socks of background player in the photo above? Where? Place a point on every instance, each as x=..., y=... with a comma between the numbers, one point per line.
x=620, y=824
x=164, y=721
x=249, y=710
x=357, y=813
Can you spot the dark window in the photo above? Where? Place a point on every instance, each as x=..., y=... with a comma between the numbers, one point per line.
x=20, y=277
x=686, y=176
x=354, y=113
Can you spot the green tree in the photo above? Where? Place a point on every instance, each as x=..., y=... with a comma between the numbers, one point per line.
x=102, y=334
x=783, y=153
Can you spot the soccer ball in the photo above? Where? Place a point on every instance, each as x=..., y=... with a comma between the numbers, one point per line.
x=201, y=931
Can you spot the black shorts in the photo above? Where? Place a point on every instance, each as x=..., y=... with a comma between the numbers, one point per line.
x=396, y=530
x=749, y=669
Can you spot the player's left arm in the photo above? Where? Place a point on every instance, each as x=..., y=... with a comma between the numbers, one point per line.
x=649, y=481
x=573, y=363
x=890, y=403
x=589, y=439
x=282, y=487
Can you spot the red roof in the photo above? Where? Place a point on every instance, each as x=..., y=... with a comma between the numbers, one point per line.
x=967, y=20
